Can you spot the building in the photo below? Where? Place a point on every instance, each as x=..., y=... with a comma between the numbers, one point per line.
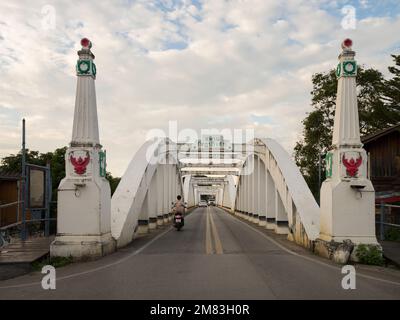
x=383, y=148
x=9, y=189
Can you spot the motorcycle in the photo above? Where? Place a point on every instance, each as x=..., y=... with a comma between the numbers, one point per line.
x=178, y=221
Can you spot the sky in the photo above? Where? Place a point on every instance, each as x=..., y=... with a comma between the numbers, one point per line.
x=240, y=64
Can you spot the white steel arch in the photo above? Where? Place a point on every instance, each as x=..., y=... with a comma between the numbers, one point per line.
x=276, y=195
x=146, y=191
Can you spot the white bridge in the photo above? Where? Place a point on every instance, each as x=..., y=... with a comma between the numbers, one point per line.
x=256, y=180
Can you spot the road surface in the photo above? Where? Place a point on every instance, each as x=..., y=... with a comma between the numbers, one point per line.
x=215, y=256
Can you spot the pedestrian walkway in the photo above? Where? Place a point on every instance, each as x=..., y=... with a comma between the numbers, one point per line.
x=16, y=258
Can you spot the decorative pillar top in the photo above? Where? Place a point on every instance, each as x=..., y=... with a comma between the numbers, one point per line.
x=346, y=130
x=85, y=65
x=85, y=130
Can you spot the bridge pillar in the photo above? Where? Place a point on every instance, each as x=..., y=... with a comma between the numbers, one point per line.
x=270, y=202
x=256, y=190
x=160, y=195
x=251, y=189
x=152, y=203
x=262, y=194
x=247, y=197
x=347, y=195
x=281, y=222
x=166, y=200
x=84, y=197
x=241, y=198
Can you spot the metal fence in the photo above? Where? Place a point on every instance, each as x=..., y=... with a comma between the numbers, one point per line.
x=39, y=222
x=383, y=213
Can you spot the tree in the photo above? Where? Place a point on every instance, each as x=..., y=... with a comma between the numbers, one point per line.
x=392, y=86
x=114, y=181
x=56, y=159
x=374, y=114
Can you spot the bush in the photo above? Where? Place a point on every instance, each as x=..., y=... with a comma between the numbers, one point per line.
x=369, y=254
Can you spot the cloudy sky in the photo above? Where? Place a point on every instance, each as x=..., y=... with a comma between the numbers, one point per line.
x=203, y=63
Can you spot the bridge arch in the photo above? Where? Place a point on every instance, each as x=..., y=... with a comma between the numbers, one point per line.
x=146, y=191
x=271, y=191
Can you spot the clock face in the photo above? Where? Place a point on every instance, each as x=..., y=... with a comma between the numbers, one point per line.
x=83, y=67
x=349, y=67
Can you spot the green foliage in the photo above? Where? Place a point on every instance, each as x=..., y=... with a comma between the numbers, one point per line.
x=392, y=234
x=369, y=254
x=379, y=108
x=114, y=181
x=56, y=262
x=12, y=163
x=56, y=160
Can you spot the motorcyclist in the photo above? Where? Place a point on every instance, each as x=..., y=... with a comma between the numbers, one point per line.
x=179, y=208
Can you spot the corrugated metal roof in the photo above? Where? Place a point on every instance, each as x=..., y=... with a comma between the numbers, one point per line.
x=9, y=175
x=373, y=136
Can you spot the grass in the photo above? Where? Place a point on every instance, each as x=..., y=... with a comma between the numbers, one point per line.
x=56, y=262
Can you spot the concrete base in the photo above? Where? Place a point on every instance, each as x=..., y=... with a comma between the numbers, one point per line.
x=262, y=222
x=143, y=229
x=270, y=224
x=339, y=252
x=347, y=213
x=152, y=223
x=255, y=219
x=281, y=227
x=160, y=220
x=82, y=247
x=165, y=218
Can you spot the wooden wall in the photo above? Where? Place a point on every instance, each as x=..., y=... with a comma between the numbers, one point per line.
x=8, y=194
x=385, y=162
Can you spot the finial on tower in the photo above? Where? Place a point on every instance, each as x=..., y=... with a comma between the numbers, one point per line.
x=86, y=43
x=347, y=44
x=85, y=65
x=347, y=66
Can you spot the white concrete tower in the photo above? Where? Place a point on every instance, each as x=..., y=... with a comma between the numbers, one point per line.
x=84, y=197
x=347, y=195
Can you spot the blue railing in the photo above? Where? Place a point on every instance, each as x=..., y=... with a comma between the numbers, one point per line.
x=382, y=219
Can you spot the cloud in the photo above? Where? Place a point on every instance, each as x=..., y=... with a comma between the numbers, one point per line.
x=218, y=64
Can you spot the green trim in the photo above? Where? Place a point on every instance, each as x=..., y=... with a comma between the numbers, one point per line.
x=350, y=68
x=93, y=69
x=346, y=68
x=85, y=67
x=338, y=70
x=328, y=163
x=102, y=163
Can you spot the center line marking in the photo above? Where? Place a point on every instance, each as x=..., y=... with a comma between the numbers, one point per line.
x=218, y=244
x=208, y=235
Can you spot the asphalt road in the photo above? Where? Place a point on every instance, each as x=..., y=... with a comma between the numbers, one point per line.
x=215, y=256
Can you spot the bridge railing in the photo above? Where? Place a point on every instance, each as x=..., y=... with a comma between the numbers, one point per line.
x=381, y=218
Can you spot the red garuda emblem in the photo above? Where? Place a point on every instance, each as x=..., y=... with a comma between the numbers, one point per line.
x=352, y=165
x=80, y=164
